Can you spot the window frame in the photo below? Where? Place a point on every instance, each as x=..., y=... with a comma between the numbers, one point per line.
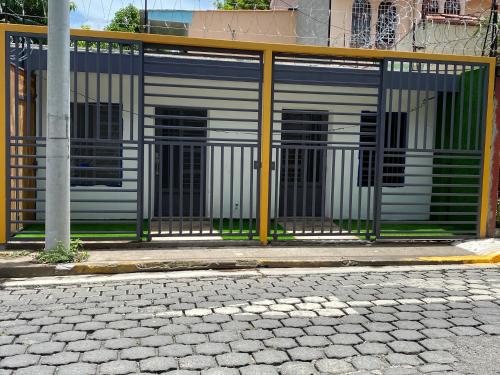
x=367, y=119
x=361, y=17
x=92, y=139
x=387, y=20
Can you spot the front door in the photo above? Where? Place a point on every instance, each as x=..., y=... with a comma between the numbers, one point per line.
x=302, y=163
x=180, y=161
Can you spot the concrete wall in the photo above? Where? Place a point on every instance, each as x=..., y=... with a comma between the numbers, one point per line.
x=277, y=26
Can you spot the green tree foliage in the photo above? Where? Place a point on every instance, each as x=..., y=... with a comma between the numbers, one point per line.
x=242, y=4
x=31, y=12
x=126, y=19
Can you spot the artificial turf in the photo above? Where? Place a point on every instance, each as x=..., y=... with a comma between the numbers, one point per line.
x=241, y=232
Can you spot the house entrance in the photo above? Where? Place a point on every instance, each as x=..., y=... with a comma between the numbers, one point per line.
x=302, y=168
x=179, y=161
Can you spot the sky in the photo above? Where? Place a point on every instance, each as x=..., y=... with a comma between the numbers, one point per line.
x=98, y=13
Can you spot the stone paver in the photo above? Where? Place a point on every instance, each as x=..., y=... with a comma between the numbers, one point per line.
x=369, y=322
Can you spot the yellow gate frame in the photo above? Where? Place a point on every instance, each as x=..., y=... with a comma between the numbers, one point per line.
x=268, y=50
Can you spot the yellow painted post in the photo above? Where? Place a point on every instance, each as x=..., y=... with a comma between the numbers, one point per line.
x=483, y=221
x=265, y=145
x=3, y=153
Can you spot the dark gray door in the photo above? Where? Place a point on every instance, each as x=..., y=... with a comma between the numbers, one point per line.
x=180, y=161
x=302, y=162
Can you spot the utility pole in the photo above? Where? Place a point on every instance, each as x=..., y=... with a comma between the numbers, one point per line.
x=57, y=181
x=146, y=18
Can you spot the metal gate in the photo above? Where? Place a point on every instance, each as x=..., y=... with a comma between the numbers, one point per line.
x=178, y=137
x=431, y=154
x=324, y=134
x=106, y=148
x=201, y=133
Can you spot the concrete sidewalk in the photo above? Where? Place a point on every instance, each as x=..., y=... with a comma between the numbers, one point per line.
x=128, y=260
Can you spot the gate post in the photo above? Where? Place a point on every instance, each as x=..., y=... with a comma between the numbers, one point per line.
x=487, y=151
x=265, y=145
x=3, y=140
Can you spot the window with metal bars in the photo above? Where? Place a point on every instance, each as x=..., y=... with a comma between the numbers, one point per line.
x=93, y=160
x=386, y=25
x=452, y=7
x=395, y=138
x=430, y=7
x=360, y=24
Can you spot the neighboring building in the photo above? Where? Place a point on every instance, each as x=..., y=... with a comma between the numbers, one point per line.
x=439, y=26
x=274, y=26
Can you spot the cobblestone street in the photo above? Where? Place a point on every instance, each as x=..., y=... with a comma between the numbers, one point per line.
x=408, y=320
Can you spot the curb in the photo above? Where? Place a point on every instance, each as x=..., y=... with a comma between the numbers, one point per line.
x=35, y=270
x=493, y=257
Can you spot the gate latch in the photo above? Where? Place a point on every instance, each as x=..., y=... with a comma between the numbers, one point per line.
x=257, y=164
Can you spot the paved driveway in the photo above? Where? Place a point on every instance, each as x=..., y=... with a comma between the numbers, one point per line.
x=354, y=320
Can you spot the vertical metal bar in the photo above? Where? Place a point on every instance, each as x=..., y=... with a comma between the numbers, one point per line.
x=250, y=225
x=181, y=188
x=276, y=191
x=265, y=145
x=16, y=94
x=436, y=97
x=453, y=104
x=86, y=69
x=462, y=99
x=120, y=88
x=75, y=89
x=212, y=189
x=351, y=172
x=313, y=206
x=39, y=91
x=323, y=156
x=295, y=187
x=469, y=110
x=379, y=153
x=170, y=187
x=360, y=185
x=5, y=230
x=151, y=188
x=408, y=105
x=285, y=190
x=242, y=164
x=332, y=192
x=140, y=133
x=400, y=104
x=202, y=185
x=231, y=188
x=221, y=192
x=132, y=90
x=304, y=190
x=191, y=187
x=341, y=203
x=110, y=88
x=27, y=83
x=443, y=109
x=259, y=139
x=17, y=140
x=426, y=112
x=368, y=203
x=478, y=127
x=417, y=107
x=97, y=133
x=159, y=172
